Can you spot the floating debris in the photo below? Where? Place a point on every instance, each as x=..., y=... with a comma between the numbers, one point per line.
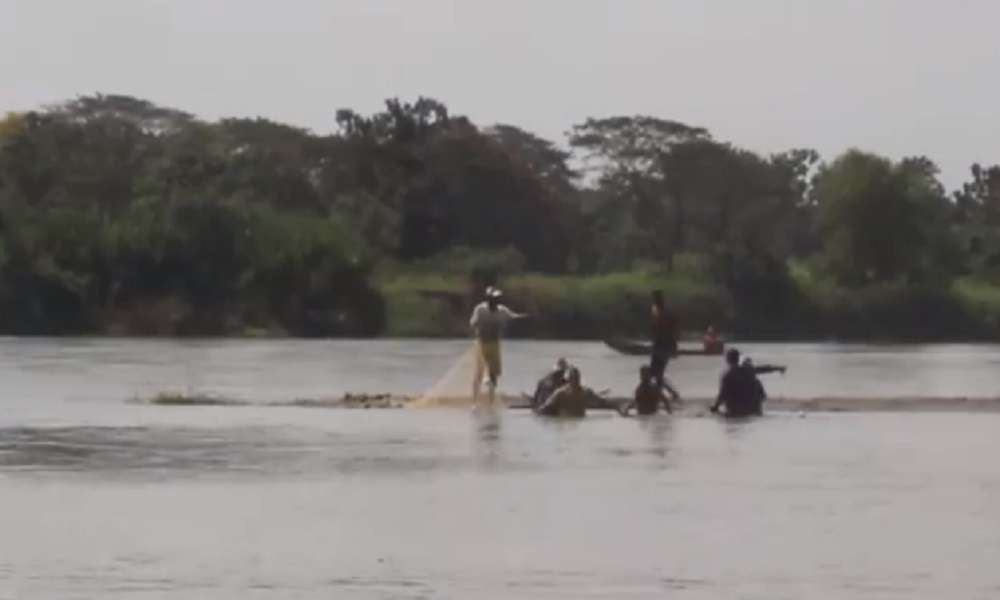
x=178, y=399
x=350, y=401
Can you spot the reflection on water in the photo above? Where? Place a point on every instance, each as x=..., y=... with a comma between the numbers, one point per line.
x=149, y=451
x=488, y=424
x=103, y=498
x=487, y=504
x=659, y=429
x=387, y=504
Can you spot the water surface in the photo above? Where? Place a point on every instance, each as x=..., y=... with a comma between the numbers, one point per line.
x=105, y=498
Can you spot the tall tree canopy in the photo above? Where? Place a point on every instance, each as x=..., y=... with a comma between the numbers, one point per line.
x=111, y=204
x=883, y=221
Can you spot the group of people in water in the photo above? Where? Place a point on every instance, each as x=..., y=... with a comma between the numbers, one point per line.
x=741, y=392
x=561, y=392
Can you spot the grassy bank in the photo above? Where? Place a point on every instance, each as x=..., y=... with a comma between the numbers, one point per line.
x=438, y=304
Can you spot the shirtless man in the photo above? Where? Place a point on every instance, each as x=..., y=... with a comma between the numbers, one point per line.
x=648, y=395
x=553, y=380
x=568, y=401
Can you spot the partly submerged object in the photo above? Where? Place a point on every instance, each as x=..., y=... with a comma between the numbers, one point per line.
x=642, y=348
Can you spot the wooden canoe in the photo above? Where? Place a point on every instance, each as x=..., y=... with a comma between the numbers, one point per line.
x=642, y=348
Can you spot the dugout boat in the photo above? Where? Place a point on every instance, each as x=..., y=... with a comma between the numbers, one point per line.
x=640, y=348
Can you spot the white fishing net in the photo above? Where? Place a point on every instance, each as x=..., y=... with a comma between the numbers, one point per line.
x=455, y=387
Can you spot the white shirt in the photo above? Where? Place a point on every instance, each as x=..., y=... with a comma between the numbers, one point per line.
x=488, y=324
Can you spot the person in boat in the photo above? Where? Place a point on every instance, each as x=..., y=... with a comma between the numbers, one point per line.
x=711, y=343
x=488, y=321
x=739, y=392
x=648, y=395
x=664, y=334
x=570, y=400
x=552, y=381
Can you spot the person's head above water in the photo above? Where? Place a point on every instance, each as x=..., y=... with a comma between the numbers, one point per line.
x=747, y=362
x=733, y=357
x=573, y=377
x=561, y=364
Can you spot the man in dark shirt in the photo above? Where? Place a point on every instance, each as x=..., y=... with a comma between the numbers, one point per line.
x=739, y=389
x=756, y=370
x=664, y=334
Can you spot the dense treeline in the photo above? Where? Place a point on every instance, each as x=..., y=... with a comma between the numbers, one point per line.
x=118, y=215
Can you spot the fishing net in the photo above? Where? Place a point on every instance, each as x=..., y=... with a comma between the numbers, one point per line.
x=454, y=388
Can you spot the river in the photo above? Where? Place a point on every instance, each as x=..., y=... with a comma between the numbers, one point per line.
x=103, y=497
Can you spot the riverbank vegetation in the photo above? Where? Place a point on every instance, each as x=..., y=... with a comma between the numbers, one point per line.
x=119, y=216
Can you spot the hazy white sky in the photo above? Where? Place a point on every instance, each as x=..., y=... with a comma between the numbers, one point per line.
x=898, y=77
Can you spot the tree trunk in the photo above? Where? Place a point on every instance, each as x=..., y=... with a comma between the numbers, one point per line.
x=678, y=241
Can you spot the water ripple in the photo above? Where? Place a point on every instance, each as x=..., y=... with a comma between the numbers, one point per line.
x=123, y=452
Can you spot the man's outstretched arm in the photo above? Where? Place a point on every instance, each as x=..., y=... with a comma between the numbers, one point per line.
x=511, y=314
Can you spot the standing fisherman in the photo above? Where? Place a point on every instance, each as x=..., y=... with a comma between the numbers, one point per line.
x=664, y=333
x=488, y=321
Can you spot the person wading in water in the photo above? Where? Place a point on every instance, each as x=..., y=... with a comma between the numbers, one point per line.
x=488, y=321
x=664, y=334
x=553, y=380
x=568, y=401
x=741, y=393
x=648, y=396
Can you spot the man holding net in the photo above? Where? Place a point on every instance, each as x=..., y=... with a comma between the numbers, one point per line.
x=488, y=321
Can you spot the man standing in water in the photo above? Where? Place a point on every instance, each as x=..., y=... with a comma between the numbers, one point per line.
x=488, y=321
x=664, y=333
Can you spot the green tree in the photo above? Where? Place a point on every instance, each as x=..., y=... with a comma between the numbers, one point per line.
x=883, y=221
x=628, y=157
x=264, y=162
x=541, y=157
x=978, y=217
x=31, y=157
x=439, y=182
x=141, y=114
x=979, y=200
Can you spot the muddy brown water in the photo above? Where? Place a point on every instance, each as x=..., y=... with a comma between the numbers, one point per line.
x=105, y=498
